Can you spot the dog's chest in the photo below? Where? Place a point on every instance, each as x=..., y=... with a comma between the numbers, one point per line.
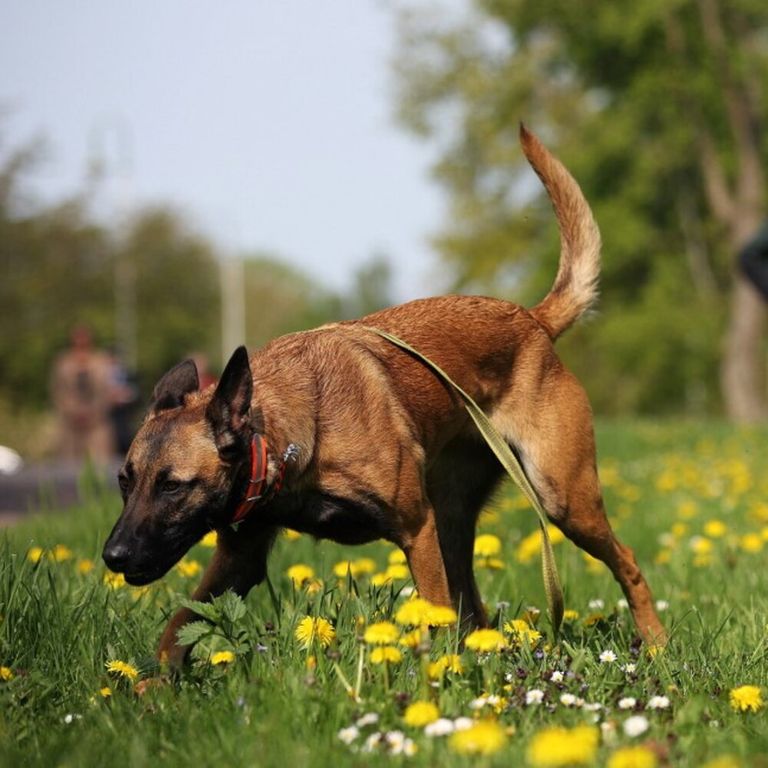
x=348, y=521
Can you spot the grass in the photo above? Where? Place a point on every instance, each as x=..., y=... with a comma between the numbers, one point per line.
x=692, y=500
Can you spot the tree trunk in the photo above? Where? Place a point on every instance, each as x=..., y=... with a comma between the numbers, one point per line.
x=741, y=370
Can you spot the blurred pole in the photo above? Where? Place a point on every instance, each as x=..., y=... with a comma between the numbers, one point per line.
x=111, y=142
x=232, y=275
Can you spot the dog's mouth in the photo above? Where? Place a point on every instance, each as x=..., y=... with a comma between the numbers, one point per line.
x=142, y=578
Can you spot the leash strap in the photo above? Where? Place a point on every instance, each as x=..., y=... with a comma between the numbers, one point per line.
x=514, y=469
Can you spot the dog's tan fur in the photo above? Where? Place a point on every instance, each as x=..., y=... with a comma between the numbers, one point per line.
x=385, y=449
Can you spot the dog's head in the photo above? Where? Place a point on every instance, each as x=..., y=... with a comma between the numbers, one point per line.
x=182, y=469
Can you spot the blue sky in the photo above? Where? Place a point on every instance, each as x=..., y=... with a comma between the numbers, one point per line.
x=270, y=122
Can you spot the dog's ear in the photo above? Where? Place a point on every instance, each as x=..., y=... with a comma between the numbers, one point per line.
x=228, y=410
x=171, y=390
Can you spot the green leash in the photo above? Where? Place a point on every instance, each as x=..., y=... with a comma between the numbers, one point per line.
x=510, y=463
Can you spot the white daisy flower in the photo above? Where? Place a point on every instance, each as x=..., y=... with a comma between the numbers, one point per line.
x=348, y=735
x=662, y=605
x=629, y=669
x=534, y=696
x=463, y=723
x=658, y=702
x=628, y=702
x=622, y=604
x=370, y=718
x=556, y=676
x=597, y=604
x=608, y=657
x=636, y=725
x=568, y=699
x=441, y=727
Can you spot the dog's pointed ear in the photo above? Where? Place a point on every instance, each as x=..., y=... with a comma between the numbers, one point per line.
x=227, y=413
x=171, y=390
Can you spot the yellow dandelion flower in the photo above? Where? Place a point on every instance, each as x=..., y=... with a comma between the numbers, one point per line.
x=85, y=566
x=530, y=546
x=300, y=573
x=701, y=545
x=397, y=571
x=105, y=692
x=311, y=663
x=414, y=612
x=663, y=556
x=522, y=632
x=355, y=568
x=723, y=761
x=380, y=579
x=210, y=540
x=421, y=713
x=492, y=563
x=554, y=747
x=715, y=529
x=593, y=564
x=485, y=640
x=381, y=633
x=222, y=657
x=386, y=653
x=751, y=542
x=363, y=566
x=441, y=616
x=487, y=545
x=687, y=509
x=396, y=557
x=413, y=639
x=570, y=615
x=35, y=554
x=746, y=698
x=6, y=674
x=485, y=737
x=189, y=568
x=679, y=530
x=122, y=669
x=60, y=553
x=448, y=663
x=593, y=618
x=114, y=580
x=632, y=757
x=310, y=630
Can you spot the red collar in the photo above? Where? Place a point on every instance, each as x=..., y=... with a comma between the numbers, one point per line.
x=258, y=490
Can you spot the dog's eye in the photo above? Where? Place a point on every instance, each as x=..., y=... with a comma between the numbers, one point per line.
x=125, y=484
x=171, y=486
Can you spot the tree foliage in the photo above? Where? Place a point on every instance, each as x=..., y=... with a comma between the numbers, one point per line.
x=635, y=100
x=61, y=268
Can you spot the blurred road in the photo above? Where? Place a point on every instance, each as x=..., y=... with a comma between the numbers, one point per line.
x=49, y=486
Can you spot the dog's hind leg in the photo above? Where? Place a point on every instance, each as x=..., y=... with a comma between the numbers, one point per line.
x=458, y=485
x=239, y=563
x=555, y=441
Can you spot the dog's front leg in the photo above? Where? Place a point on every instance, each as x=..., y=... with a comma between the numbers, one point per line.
x=239, y=563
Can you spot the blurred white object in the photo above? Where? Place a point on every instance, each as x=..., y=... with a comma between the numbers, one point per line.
x=10, y=461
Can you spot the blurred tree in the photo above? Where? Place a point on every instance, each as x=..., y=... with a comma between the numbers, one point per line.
x=280, y=299
x=372, y=288
x=656, y=109
x=177, y=290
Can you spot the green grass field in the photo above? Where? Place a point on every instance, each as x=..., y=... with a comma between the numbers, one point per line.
x=692, y=500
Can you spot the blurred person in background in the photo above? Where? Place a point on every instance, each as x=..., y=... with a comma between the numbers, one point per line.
x=203, y=371
x=125, y=398
x=82, y=391
x=753, y=260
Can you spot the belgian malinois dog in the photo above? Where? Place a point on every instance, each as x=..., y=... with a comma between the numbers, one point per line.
x=337, y=433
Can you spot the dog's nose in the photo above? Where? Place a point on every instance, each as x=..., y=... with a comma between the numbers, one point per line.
x=116, y=555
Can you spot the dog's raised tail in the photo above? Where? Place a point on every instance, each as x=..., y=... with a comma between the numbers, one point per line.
x=575, y=287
